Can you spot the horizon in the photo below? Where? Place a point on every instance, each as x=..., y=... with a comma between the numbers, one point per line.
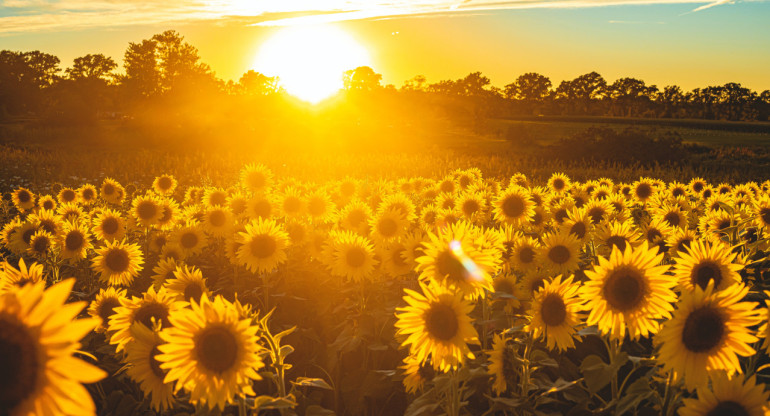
x=662, y=44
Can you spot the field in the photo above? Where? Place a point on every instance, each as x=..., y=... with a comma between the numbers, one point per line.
x=470, y=274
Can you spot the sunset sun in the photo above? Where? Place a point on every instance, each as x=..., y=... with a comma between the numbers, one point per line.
x=310, y=60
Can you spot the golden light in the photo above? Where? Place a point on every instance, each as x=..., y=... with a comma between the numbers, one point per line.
x=310, y=60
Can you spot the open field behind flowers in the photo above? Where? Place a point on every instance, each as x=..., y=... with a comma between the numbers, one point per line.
x=385, y=285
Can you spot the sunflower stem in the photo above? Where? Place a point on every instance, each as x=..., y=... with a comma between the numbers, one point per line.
x=485, y=319
x=667, y=394
x=525, y=370
x=613, y=352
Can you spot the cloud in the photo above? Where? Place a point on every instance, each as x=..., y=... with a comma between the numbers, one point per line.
x=18, y=16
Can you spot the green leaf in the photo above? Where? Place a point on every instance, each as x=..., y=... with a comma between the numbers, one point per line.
x=311, y=382
x=638, y=390
x=270, y=402
x=597, y=373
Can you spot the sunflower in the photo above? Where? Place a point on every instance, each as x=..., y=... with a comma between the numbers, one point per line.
x=513, y=206
x=629, y=291
x=111, y=191
x=708, y=331
x=193, y=195
x=447, y=185
x=291, y=203
x=704, y=262
x=189, y=238
x=320, y=207
x=617, y=234
x=188, y=283
x=151, y=309
x=353, y=256
x=21, y=238
x=561, y=207
x=147, y=210
x=75, y=241
x=217, y=221
x=23, y=199
x=388, y=225
x=144, y=368
x=211, y=352
x=455, y=259
x=87, y=194
x=400, y=202
x=762, y=212
x=555, y=313
x=263, y=245
x=696, y=185
x=71, y=212
x=261, y=206
x=437, y=325
x=643, y=190
x=394, y=260
x=428, y=217
x=473, y=206
x=598, y=210
x=40, y=244
x=38, y=335
x=728, y=395
x=237, y=203
x=214, y=196
x=559, y=252
x=656, y=232
x=67, y=195
x=103, y=306
x=578, y=224
x=523, y=254
x=164, y=184
x=11, y=277
x=172, y=251
x=355, y=216
x=416, y=374
x=559, y=183
x=256, y=178
x=8, y=232
x=118, y=263
x=502, y=364
x=169, y=214
x=46, y=221
x=109, y=226
x=47, y=202
x=413, y=247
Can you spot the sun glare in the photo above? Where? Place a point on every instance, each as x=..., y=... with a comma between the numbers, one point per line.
x=310, y=60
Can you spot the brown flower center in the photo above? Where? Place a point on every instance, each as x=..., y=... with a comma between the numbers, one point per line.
x=107, y=308
x=19, y=364
x=387, y=227
x=643, y=191
x=703, y=329
x=117, y=260
x=513, y=206
x=441, y=322
x=152, y=310
x=450, y=267
x=110, y=225
x=705, y=272
x=216, y=349
x=355, y=257
x=617, y=241
x=263, y=246
x=189, y=240
x=146, y=210
x=553, y=310
x=728, y=408
x=624, y=289
x=559, y=254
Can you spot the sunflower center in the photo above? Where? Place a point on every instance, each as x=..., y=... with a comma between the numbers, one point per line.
x=263, y=246
x=703, y=329
x=48, y=226
x=164, y=183
x=441, y=322
x=155, y=364
x=537, y=219
x=653, y=235
x=316, y=207
x=88, y=194
x=107, y=308
x=18, y=362
x=624, y=289
x=397, y=257
x=149, y=311
x=683, y=245
x=470, y=207
x=764, y=213
x=24, y=196
x=560, y=215
x=110, y=225
x=728, y=408
x=672, y=218
x=578, y=229
x=217, y=198
x=513, y=206
x=189, y=240
x=596, y=214
x=558, y=184
x=74, y=241
x=217, y=349
x=526, y=255
x=559, y=254
x=146, y=210
x=510, y=367
x=193, y=291
x=356, y=217
x=108, y=189
x=721, y=225
x=256, y=180
x=448, y=265
x=117, y=260
x=677, y=192
x=697, y=186
x=167, y=214
x=263, y=208
x=553, y=310
x=387, y=227
x=617, y=241
x=26, y=236
x=48, y=204
x=643, y=191
x=68, y=195
x=355, y=257
x=706, y=272
x=41, y=244
x=447, y=186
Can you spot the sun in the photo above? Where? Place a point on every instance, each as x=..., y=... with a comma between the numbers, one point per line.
x=310, y=60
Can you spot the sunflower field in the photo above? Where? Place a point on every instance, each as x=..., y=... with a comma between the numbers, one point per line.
x=451, y=293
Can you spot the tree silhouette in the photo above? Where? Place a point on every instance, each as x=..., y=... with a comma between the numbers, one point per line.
x=96, y=66
x=531, y=87
x=362, y=78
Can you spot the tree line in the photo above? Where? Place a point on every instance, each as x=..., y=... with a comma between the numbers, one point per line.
x=166, y=73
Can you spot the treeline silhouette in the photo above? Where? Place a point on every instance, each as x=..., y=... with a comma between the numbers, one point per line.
x=164, y=82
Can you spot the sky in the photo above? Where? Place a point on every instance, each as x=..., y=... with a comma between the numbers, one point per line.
x=691, y=43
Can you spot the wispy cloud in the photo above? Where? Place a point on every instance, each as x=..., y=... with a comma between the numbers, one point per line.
x=58, y=15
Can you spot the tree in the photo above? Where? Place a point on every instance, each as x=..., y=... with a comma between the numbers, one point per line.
x=256, y=83
x=362, y=78
x=24, y=76
x=531, y=87
x=418, y=83
x=474, y=84
x=96, y=66
x=630, y=96
x=142, y=71
x=672, y=98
